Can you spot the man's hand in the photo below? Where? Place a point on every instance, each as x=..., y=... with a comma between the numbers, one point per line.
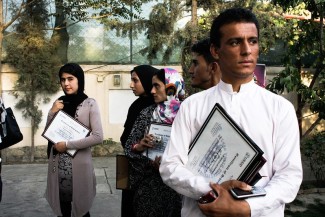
x=225, y=205
x=236, y=184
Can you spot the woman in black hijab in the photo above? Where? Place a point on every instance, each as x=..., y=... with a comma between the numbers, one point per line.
x=141, y=85
x=71, y=182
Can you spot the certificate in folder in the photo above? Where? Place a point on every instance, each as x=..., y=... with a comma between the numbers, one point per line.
x=161, y=133
x=221, y=151
x=63, y=127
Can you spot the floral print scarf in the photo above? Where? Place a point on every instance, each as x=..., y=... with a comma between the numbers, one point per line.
x=166, y=111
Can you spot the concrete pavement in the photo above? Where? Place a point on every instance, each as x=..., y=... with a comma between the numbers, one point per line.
x=24, y=187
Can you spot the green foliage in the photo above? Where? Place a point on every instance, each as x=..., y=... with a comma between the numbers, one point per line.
x=33, y=56
x=109, y=141
x=317, y=104
x=161, y=30
x=304, y=45
x=314, y=149
x=165, y=37
x=289, y=79
x=101, y=9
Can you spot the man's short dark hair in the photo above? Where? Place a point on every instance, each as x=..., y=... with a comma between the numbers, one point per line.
x=232, y=15
x=202, y=47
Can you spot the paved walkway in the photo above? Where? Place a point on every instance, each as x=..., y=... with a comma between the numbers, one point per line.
x=24, y=187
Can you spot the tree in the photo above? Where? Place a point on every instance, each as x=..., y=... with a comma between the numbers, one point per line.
x=32, y=53
x=5, y=24
x=304, y=37
x=70, y=12
x=60, y=35
x=165, y=36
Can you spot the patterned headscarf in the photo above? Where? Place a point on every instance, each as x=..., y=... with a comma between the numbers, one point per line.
x=166, y=111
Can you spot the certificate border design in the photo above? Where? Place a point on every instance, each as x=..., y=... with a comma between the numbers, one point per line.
x=72, y=152
x=251, y=170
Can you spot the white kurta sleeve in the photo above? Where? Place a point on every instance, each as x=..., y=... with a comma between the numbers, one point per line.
x=286, y=170
x=172, y=168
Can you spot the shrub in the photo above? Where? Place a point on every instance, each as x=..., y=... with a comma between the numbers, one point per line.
x=314, y=149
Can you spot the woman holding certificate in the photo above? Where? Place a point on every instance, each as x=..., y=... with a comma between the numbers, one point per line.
x=141, y=85
x=71, y=183
x=152, y=197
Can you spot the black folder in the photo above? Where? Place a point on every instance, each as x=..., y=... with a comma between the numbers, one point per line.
x=222, y=150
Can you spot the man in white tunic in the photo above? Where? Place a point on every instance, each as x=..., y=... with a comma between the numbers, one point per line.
x=268, y=119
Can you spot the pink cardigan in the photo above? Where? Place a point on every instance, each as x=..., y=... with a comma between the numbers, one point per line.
x=84, y=180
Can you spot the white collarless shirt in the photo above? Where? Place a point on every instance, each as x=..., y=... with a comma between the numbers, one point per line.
x=268, y=119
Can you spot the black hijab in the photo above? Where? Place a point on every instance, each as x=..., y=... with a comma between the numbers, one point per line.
x=71, y=101
x=145, y=74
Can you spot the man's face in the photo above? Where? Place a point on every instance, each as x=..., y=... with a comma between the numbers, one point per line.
x=200, y=72
x=238, y=52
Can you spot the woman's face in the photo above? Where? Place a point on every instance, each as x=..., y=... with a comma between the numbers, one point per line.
x=136, y=85
x=69, y=83
x=158, y=90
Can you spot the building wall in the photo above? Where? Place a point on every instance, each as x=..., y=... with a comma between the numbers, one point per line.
x=113, y=99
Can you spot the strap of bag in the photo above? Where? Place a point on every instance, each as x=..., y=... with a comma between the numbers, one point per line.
x=0, y=163
x=3, y=114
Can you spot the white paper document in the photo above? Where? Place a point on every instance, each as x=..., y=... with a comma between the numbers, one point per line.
x=221, y=151
x=161, y=133
x=65, y=128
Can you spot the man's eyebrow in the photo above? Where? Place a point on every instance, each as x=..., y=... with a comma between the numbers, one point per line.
x=242, y=38
x=235, y=38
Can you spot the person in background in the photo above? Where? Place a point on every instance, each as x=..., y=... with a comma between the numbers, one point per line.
x=152, y=196
x=3, y=119
x=204, y=70
x=141, y=85
x=268, y=119
x=0, y=178
x=71, y=181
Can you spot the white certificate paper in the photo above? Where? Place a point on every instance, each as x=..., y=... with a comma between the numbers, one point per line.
x=65, y=128
x=162, y=135
x=221, y=151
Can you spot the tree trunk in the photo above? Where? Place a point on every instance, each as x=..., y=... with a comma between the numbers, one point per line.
x=60, y=34
x=32, y=121
x=32, y=147
x=194, y=20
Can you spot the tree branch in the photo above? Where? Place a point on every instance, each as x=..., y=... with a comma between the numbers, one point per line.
x=22, y=6
x=310, y=129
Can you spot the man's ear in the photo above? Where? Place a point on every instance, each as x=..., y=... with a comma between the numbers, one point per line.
x=213, y=51
x=215, y=67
